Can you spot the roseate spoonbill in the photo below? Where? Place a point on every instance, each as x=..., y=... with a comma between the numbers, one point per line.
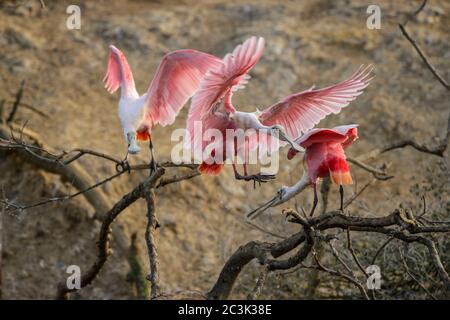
x=297, y=113
x=324, y=157
x=176, y=79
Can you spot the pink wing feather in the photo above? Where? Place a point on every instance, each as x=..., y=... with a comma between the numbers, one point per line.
x=118, y=72
x=300, y=112
x=177, y=78
x=325, y=135
x=217, y=86
x=344, y=135
x=231, y=76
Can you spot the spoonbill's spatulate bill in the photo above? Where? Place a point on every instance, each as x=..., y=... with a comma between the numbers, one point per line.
x=176, y=79
x=292, y=116
x=324, y=157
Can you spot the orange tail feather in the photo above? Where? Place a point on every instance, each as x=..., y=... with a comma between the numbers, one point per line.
x=143, y=135
x=341, y=177
x=213, y=169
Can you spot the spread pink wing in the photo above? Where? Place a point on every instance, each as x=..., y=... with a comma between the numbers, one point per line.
x=318, y=135
x=217, y=86
x=118, y=72
x=176, y=80
x=300, y=112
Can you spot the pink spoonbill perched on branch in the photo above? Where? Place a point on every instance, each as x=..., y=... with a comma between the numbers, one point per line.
x=176, y=79
x=211, y=105
x=324, y=157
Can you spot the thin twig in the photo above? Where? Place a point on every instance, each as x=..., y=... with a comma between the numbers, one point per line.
x=253, y=225
x=378, y=174
x=22, y=208
x=16, y=102
x=340, y=274
x=341, y=261
x=357, y=194
x=380, y=249
x=42, y=156
x=405, y=265
x=353, y=253
x=81, y=152
x=32, y=108
x=423, y=57
x=416, y=46
x=415, y=13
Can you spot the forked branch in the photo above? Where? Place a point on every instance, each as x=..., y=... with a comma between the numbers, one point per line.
x=104, y=240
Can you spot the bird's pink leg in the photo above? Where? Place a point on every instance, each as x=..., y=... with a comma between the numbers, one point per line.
x=260, y=178
x=227, y=103
x=316, y=200
x=124, y=165
x=245, y=156
x=236, y=173
x=152, y=152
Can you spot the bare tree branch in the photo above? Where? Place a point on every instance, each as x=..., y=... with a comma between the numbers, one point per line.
x=74, y=174
x=105, y=233
x=48, y=159
x=151, y=244
x=424, y=57
x=266, y=253
x=21, y=208
x=416, y=46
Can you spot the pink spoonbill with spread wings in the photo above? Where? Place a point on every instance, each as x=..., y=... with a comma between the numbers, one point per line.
x=176, y=79
x=324, y=157
x=211, y=105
